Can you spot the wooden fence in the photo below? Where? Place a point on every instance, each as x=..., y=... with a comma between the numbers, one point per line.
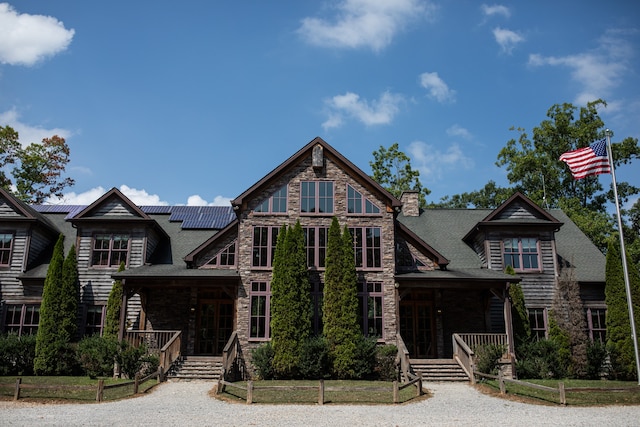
x=100, y=388
x=395, y=389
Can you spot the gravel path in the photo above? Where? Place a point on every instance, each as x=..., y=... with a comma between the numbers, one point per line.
x=187, y=403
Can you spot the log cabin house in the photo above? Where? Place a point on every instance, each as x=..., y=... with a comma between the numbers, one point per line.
x=197, y=278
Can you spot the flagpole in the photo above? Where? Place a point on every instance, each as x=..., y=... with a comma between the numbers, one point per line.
x=624, y=256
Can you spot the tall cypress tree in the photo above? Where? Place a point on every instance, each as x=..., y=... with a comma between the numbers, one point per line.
x=49, y=346
x=519, y=317
x=69, y=298
x=114, y=307
x=619, y=338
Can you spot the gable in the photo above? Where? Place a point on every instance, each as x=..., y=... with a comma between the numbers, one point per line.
x=112, y=205
x=8, y=210
x=519, y=211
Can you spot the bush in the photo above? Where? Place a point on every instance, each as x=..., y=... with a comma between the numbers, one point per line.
x=131, y=359
x=365, y=358
x=540, y=360
x=488, y=358
x=386, y=368
x=314, y=359
x=17, y=354
x=97, y=355
x=596, y=359
x=262, y=361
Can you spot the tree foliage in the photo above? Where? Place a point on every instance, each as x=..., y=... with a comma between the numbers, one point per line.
x=392, y=169
x=114, y=307
x=39, y=168
x=290, y=301
x=519, y=318
x=340, y=303
x=619, y=337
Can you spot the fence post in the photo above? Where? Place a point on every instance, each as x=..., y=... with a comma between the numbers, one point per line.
x=321, y=393
x=563, y=396
x=16, y=393
x=249, y=392
x=160, y=374
x=501, y=381
x=396, y=398
x=99, y=394
x=136, y=383
x=419, y=384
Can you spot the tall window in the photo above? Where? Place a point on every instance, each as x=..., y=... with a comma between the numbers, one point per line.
x=317, y=296
x=94, y=320
x=110, y=250
x=315, y=239
x=596, y=319
x=316, y=197
x=6, y=243
x=277, y=203
x=224, y=258
x=538, y=323
x=370, y=308
x=367, y=247
x=22, y=319
x=264, y=245
x=259, y=320
x=521, y=253
x=357, y=204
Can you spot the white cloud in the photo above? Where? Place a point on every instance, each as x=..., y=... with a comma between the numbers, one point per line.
x=507, y=39
x=598, y=71
x=28, y=134
x=433, y=163
x=364, y=23
x=437, y=88
x=27, y=39
x=139, y=197
x=379, y=112
x=196, y=200
x=495, y=9
x=459, y=131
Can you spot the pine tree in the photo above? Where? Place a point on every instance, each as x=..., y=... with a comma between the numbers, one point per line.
x=49, y=347
x=114, y=307
x=69, y=298
x=619, y=338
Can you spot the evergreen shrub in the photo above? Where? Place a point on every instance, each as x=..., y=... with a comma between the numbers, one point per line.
x=540, y=360
x=97, y=354
x=314, y=359
x=386, y=368
x=262, y=361
x=17, y=354
x=488, y=358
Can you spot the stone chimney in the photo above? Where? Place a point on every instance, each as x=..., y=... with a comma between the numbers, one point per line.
x=410, y=203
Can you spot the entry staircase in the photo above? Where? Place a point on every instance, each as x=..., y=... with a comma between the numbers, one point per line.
x=439, y=370
x=196, y=367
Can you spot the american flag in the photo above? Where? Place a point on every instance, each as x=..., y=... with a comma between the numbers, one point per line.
x=588, y=161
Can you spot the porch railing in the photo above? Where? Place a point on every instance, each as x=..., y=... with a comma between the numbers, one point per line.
x=464, y=355
x=230, y=357
x=170, y=352
x=154, y=340
x=477, y=340
x=403, y=359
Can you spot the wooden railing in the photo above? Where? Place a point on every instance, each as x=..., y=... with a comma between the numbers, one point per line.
x=170, y=352
x=403, y=359
x=154, y=340
x=476, y=340
x=464, y=355
x=230, y=357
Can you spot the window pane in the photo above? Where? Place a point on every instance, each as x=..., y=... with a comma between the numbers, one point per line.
x=354, y=200
x=308, y=197
x=280, y=200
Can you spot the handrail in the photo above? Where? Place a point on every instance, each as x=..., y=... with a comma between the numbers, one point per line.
x=475, y=340
x=153, y=339
x=403, y=359
x=230, y=355
x=170, y=352
x=464, y=356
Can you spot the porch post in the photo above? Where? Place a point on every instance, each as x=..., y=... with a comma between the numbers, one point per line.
x=508, y=326
x=123, y=312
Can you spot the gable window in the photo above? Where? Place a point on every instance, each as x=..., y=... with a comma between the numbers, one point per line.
x=224, y=258
x=596, y=319
x=370, y=309
x=538, y=323
x=521, y=253
x=260, y=297
x=110, y=250
x=315, y=239
x=264, y=246
x=357, y=204
x=6, y=243
x=316, y=197
x=22, y=319
x=367, y=247
x=277, y=203
x=94, y=320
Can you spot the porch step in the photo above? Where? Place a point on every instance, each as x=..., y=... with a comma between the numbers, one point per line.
x=197, y=367
x=439, y=370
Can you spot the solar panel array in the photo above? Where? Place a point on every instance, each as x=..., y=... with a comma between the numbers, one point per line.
x=192, y=217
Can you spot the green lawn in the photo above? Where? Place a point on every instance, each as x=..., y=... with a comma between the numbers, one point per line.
x=599, y=395
x=7, y=387
x=310, y=396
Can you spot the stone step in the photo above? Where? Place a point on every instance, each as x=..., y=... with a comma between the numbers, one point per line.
x=197, y=367
x=439, y=370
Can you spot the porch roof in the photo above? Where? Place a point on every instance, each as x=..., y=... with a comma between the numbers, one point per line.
x=172, y=271
x=457, y=278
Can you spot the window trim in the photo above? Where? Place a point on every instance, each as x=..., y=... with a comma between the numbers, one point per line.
x=363, y=203
x=267, y=308
x=317, y=247
x=8, y=250
x=364, y=250
x=272, y=240
x=364, y=294
x=269, y=202
x=22, y=325
x=602, y=331
x=317, y=198
x=85, y=318
x=535, y=330
x=520, y=254
x=224, y=251
x=110, y=250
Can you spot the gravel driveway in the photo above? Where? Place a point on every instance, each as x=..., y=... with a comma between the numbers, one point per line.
x=187, y=403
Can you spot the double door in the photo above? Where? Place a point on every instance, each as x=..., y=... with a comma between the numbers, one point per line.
x=214, y=325
x=417, y=326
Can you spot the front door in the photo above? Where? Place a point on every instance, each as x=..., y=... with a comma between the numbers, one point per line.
x=214, y=325
x=417, y=325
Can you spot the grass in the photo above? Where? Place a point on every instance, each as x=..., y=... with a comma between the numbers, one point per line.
x=85, y=392
x=598, y=395
x=332, y=395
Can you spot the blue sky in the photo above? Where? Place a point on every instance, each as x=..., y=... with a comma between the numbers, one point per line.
x=192, y=102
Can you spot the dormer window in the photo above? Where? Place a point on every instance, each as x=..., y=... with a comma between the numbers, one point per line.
x=521, y=253
x=6, y=243
x=277, y=203
x=357, y=204
x=109, y=250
